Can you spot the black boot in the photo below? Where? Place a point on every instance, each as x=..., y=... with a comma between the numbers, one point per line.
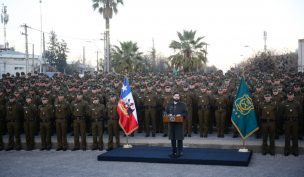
x=172, y=155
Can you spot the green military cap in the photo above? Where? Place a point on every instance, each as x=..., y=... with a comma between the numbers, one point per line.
x=95, y=98
x=290, y=92
x=44, y=98
x=61, y=93
x=112, y=94
x=28, y=96
x=220, y=89
x=259, y=85
x=267, y=94
x=150, y=84
x=79, y=93
x=296, y=85
x=84, y=88
x=94, y=87
x=12, y=96
x=167, y=86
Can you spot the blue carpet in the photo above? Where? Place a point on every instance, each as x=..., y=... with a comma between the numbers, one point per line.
x=202, y=156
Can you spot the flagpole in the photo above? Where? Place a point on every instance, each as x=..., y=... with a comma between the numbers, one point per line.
x=127, y=145
x=243, y=149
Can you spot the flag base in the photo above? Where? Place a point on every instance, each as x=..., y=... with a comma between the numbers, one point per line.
x=127, y=146
x=243, y=150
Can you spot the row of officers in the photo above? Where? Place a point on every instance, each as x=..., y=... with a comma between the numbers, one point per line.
x=273, y=117
x=79, y=109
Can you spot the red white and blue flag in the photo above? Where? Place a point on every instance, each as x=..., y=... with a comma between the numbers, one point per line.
x=126, y=109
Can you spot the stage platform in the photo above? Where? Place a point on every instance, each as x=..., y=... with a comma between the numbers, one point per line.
x=199, y=156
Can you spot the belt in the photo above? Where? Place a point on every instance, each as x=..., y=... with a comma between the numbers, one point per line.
x=96, y=120
x=79, y=118
x=45, y=121
x=60, y=117
x=12, y=121
x=267, y=120
x=291, y=119
x=220, y=107
x=113, y=118
x=150, y=107
x=205, y=106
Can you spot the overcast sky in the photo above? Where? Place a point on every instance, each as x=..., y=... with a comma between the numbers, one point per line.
x=228, y=25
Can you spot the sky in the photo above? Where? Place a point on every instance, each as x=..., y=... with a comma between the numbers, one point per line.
x=227, y=26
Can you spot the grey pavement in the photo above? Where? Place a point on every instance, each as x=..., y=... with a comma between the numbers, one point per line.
x=84, y=164
x=195, y=141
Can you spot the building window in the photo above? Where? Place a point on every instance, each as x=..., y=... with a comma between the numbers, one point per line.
x=19, y=68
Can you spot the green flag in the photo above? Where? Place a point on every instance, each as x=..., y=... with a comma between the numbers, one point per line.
x=175, y=72
x=243, y=114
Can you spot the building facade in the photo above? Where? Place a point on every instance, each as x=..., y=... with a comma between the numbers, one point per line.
x=13, y=62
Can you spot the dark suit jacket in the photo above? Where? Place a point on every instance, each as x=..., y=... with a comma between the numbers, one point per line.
x=176, y=130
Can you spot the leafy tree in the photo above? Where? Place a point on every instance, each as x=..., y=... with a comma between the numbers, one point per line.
x=56, y=55
x=127, y=58
x=190, y=53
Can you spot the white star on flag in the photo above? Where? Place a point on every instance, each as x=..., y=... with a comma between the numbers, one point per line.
x=124, y=88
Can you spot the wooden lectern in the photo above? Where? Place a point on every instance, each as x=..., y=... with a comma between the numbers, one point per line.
x=176, y=118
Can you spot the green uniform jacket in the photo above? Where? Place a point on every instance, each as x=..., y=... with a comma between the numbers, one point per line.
x=30, y=112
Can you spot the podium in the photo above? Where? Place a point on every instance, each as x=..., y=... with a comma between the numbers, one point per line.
x=176, y=118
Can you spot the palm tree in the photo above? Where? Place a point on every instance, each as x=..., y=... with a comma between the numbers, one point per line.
x=190, y=53
x=127, y=58
x=106, y=8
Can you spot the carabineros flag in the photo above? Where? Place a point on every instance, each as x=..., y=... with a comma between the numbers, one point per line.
x=243, y=114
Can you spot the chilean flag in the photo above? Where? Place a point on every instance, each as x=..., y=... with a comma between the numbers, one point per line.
x=126, y=109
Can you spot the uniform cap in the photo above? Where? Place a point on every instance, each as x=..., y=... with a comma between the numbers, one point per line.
x=61, y=93
x=267, y=95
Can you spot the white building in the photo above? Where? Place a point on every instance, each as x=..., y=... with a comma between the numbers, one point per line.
x=13, y=61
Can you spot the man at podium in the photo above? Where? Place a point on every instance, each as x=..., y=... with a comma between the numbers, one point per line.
x=175, y=112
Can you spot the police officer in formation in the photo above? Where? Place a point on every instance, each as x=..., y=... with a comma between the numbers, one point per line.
x=113, y=126
x=79, y=108
x=97, y=115
x=62, y=111
x=30, y=117
x=63, y=104
x=46, y=114
x=268, y=123
x=292, y=111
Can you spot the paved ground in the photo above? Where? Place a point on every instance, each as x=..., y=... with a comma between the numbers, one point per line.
x=84, y=164
x=195, y=141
